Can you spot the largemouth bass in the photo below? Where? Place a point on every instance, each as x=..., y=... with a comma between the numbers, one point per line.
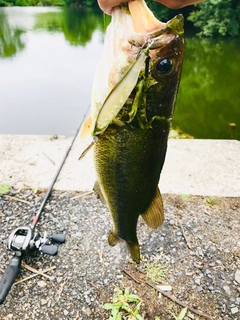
x=133, y=98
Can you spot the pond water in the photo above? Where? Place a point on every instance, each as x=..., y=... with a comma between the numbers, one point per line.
x=47, y=62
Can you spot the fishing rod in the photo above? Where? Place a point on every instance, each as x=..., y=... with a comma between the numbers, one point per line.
x=25, y=239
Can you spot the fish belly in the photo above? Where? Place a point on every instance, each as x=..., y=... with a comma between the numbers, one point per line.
x=128, y=163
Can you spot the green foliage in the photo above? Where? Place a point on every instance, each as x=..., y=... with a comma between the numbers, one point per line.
x=217, y=18
x=124, y=304
x=181, y=315
x=212, y=17
x=24, y=3
x=4, y=189
x=10, y=38
x=211, y=201
x=156, y=272
x=185, y=197
x=160, y=11
x=73, y=3
x=4, y=3
x=80, y=3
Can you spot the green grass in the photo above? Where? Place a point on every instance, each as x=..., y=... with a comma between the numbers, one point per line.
x=4, y=189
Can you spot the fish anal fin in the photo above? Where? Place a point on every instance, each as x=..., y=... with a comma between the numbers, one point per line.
x=113, y=239
x=86, y=128
x=154, y=214
x=98, y=191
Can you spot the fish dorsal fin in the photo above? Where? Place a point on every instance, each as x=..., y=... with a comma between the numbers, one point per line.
x=154, y=215
x=86, y=128
x=98, y=191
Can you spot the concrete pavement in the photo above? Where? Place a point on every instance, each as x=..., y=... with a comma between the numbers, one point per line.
x=194, y=167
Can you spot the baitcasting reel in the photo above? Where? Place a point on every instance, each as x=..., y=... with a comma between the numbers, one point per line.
x=25, y=239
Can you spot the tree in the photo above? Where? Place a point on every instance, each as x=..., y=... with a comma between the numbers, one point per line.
x=217, y=18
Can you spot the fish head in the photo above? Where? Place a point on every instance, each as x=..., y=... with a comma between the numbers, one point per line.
x=137, y=45
x=166, y=50
x=164, y=66
x=158, y=80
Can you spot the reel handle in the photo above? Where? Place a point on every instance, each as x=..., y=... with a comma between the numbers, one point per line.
x=9, y=276
x=49, y=249
x=58, y=237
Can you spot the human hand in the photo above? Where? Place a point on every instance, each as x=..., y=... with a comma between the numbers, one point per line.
x=108, y=5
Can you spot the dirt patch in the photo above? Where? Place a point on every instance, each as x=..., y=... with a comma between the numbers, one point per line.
x=200, y=249
x=197, y=249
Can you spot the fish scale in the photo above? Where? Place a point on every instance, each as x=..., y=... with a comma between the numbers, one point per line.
x=128, y=173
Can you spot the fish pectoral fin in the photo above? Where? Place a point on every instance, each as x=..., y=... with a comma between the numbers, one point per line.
x=98, y=191
x=86, y=128
x=154, y=214
x=86, y=151
x=113, y=239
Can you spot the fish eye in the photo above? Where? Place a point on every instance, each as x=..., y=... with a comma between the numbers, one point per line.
x=164, y=66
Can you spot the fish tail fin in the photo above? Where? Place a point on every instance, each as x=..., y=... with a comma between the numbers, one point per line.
x=133, y=248
x=134, y=251
x=86, y=128
x=154, y=214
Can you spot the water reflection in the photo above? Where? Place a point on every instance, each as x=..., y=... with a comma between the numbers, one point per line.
x=47, y=88
x=209, y=98
x=77, y=25
x=10, y=38
x=53, y=75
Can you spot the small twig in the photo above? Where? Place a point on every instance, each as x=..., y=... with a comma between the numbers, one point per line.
x=169, y=296
x=49, y=158
x=61, y=289
x=41, y=273
x=205, y=211
x=25, y=279
x=185, y=237
x=100, y=254
x=129, y=274
x=34, y=275
x=82, y=195
x=17, y=199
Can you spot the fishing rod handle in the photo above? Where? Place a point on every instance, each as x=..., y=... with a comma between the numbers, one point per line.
x=9, y=276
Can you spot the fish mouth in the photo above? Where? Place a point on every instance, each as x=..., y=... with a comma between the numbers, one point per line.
x=160, y=37
x=149, y=31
